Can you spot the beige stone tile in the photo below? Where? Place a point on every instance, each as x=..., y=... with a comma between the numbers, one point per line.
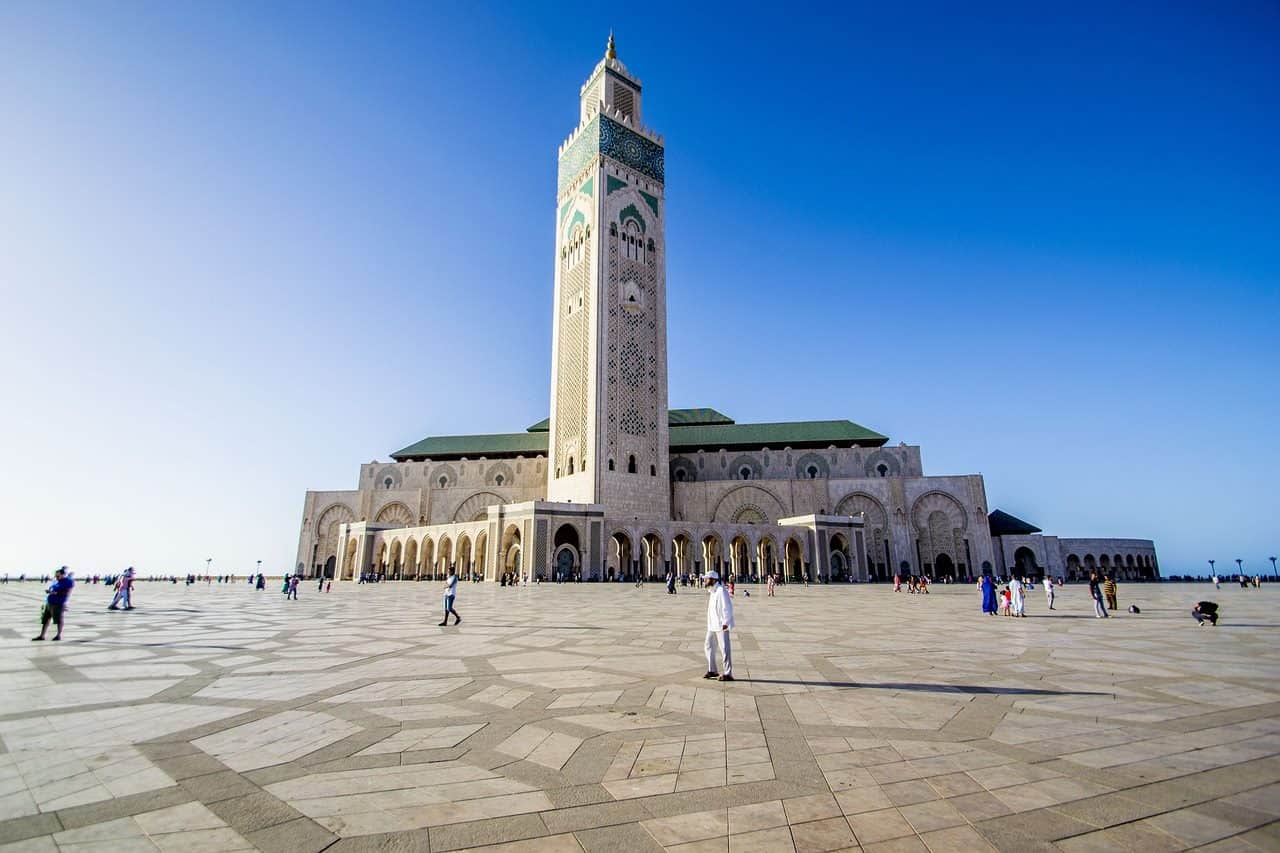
x=815, y=807
x=938, y=814
x=955, y=839
x=954, y=784
x=756, y=816
x=178, y=819
x=750, y=773
x=859, y=800
x=822, y=835
x=709, y=845
x=898, y=845
x=1192, y=827
x=775, y=840
x=906, y=793
x=882, y=825
x=669, y=831
x=625, y=789
x=565, y=843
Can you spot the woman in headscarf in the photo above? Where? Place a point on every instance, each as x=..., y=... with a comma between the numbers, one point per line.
x=988, y=588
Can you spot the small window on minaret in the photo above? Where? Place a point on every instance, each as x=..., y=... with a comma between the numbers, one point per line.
x=570, y=464
x=624, y=100
x=610, y=464
x=631, y=464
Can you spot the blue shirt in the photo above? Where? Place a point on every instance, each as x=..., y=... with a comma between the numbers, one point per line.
x=59, y=590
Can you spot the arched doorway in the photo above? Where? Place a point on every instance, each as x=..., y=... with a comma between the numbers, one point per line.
x=766, y=556
x=444, y=557
x=510, y=551
x=349, y=562
x=943, y=567
x=464, y=557
x=393, y=570
x=1024, y=563
x=793, y=556
x=428, y=569
x=620, y=555
x=482, y=555
x=329, y=566
x=740, y=558
x=711, y=556
x=681, y=555
x=568, y=552
x=840, y=560
x=651, y=556
x=411, y=560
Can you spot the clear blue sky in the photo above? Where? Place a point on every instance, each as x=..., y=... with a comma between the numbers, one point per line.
x=245, y=247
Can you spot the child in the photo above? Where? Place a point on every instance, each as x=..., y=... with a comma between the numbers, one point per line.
x=1007, y=596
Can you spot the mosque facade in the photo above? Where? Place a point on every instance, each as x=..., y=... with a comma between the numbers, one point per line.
x=614, y=485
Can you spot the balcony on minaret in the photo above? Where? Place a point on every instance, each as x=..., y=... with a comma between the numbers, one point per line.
x=611, y=89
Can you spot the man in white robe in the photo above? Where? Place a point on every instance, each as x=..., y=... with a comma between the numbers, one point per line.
x=719, y=622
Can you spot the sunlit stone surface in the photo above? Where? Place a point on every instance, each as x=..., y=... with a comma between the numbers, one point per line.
x=574, y=717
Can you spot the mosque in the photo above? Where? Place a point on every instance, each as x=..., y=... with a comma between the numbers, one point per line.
x=615, y=485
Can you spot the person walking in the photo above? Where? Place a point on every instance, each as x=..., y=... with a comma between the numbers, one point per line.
x=771, y=584
x=1016, y=602
x=1095, y=592
x=987, y=587
x=1048, y=590
x=1216, y=582
x=450, y=594
x=292, y=584
x=671, y=583
x=320, y=588
x=1109, y=590
x=719, y=623
x=121, y=596
x=55, y=603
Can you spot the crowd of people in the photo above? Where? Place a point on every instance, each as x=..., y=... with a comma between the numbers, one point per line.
x=1008, y=599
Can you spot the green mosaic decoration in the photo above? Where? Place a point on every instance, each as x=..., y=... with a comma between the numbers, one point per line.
x=577, y=218
x=613, y=184
x=630, y=212
x=604, y=136
x=565, y=208
x=651, y=201
x=589, y=187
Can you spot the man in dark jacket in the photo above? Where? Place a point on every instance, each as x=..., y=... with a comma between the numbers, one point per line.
x=1205, y=611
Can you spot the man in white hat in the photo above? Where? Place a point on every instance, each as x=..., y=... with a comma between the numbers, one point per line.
x=719, y=621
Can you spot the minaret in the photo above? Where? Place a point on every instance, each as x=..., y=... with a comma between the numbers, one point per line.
x=609, y=442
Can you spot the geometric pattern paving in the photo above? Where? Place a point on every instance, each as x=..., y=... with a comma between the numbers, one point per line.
x=574, y=717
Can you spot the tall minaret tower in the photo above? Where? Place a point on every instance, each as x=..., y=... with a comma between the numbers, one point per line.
x=609, y=345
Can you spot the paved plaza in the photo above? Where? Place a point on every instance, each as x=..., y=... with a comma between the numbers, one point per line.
x=565, y=718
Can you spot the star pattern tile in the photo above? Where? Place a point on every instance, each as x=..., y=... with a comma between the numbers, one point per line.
x=575, y=717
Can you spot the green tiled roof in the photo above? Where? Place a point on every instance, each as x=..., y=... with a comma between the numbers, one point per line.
x=713, y=437
x=691, y=430
x=1003, y=524
x=473, y=446
x=692, y=417
x=675, y=417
